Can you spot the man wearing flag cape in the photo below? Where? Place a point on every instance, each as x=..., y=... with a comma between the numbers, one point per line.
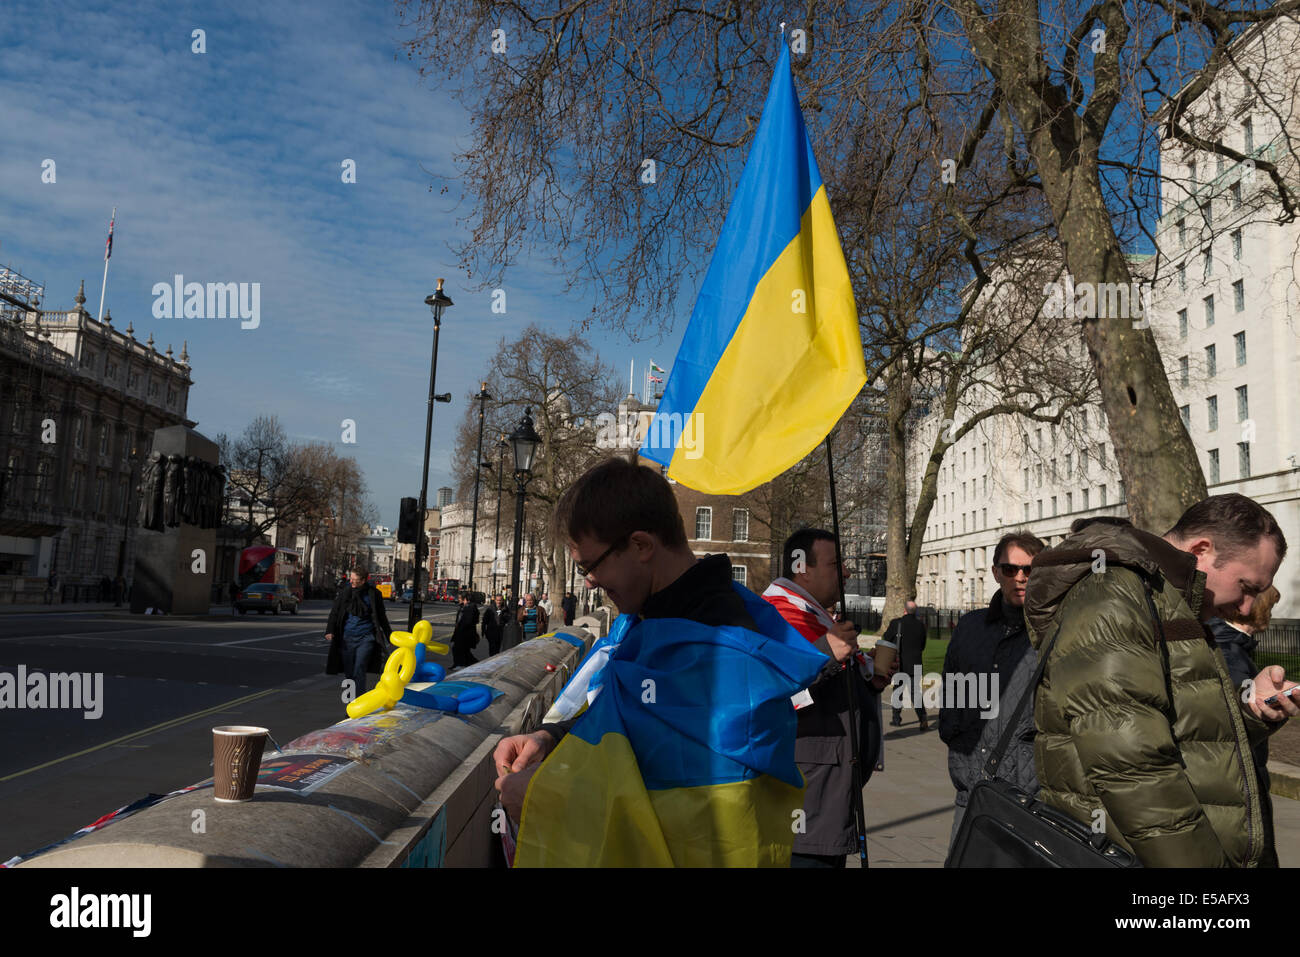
x=684, y=754
x=673, y=743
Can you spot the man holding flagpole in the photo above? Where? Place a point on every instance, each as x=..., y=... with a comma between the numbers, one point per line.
x=811, y=579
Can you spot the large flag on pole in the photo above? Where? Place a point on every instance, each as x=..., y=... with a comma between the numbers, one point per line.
x=772, y=356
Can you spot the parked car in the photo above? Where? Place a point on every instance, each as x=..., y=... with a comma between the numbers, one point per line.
x=263, y=598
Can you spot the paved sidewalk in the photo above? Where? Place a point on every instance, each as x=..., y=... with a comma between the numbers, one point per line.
x=909, y=804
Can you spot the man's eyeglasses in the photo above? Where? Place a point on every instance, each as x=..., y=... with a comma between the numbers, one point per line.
x=585, y=570
x=1011, y=570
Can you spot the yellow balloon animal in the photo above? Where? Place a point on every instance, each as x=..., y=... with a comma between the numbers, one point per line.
x=398, y=670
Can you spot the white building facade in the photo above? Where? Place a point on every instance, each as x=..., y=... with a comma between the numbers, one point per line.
x=1225, y=298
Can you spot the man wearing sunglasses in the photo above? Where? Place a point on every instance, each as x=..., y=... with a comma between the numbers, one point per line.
x=990, y=649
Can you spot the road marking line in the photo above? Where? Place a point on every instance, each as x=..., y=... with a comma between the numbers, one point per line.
x=247, y=641
x=194, y=645
x=137, y=734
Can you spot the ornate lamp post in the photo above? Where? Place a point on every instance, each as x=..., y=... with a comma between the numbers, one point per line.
x=523, y=441
x=436, y=303
x=502, y=447
x=478, y=472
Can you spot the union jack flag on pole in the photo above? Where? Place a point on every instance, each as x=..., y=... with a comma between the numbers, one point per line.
x=108, y=244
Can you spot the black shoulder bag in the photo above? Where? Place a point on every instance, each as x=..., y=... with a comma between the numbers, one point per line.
x=1005, y=827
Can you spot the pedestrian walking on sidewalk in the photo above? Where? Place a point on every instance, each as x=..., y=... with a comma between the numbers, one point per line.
x=464, y=637
x=908, y=632
x=358, y=632
x=494, y=622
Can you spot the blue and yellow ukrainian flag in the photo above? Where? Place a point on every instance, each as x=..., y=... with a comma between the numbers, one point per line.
x=772, y=356
x=685, y=758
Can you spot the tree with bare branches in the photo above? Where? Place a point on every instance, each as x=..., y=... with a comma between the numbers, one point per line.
x=613, y=133
x=567, y=388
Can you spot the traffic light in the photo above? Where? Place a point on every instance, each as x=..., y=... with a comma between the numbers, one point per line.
x=408, y=522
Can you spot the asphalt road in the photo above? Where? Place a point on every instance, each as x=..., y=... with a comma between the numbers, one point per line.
x=166, y=682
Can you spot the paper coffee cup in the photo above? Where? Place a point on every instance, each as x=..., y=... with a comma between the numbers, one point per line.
x=886, y=653
x=236, y=759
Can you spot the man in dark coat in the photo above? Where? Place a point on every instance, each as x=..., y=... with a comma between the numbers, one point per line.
x=494, y=622
x=810, y=585
x=570, y=607
x=992, y=645
x=908, y=632
x=464, y=637
x=358, y=632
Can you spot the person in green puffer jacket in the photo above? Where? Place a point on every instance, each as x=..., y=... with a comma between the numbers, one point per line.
x=1139, y=725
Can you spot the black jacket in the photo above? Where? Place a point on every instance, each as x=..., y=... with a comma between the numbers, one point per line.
x=1238, y=654
x=908, y=632
x=466, y=620
x=339, y=617
x=992, y=642
x=824, y=757
x=494, y=621
x=702, y=593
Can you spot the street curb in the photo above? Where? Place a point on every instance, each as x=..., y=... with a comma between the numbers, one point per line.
x=1284, y=780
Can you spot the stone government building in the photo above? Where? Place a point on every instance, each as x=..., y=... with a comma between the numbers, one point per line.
x=79, y=403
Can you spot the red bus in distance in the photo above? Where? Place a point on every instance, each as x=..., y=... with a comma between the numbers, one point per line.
x=266, y=564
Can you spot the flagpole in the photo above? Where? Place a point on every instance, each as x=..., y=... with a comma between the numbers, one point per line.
x=104, y=285
x=859, y=814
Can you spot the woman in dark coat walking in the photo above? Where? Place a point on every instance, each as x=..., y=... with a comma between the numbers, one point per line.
x=464, y=637
x=358, y=632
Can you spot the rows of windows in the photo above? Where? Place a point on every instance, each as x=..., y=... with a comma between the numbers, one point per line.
x=1207, y=272
x=704, y=524
x=1242, y=393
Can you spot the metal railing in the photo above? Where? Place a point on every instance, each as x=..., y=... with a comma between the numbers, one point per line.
x=1279, y=644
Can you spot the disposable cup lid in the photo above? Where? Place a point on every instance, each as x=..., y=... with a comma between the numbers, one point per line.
x=243, y=730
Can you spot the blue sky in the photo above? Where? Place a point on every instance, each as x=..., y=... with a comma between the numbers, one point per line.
x=225, y=166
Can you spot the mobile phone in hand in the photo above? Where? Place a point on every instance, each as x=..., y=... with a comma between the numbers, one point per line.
x=1272, y=702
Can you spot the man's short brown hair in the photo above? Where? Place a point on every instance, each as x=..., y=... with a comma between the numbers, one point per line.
x=1030, y=543
x=1233, y=522
x=612, y=500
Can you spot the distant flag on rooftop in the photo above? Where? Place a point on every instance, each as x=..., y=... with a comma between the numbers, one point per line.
x=108, y=244
x=772, y=356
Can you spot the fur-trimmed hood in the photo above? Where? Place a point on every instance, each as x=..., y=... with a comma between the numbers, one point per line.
x=1057, y=570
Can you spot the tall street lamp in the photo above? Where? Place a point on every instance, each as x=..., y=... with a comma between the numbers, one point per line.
x=436, y=303
x=478, y=471
x=502, y=447
x=523, y=441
